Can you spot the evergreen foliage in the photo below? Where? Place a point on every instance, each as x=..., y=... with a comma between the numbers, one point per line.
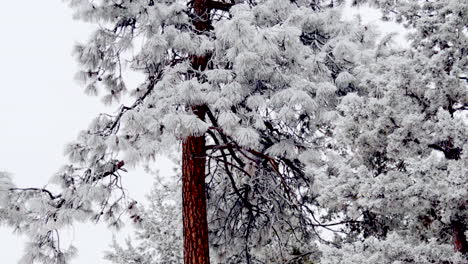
x=324, y=144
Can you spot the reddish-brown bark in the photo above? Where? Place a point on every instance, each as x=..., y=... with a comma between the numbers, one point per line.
x=194, y=215
x=459, y=239
x=194, y=199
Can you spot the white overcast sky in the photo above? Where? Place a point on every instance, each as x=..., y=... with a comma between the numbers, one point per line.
x=42, y=108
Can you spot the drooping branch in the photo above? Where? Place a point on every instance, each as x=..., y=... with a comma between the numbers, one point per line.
x=118, y=165
x=115, y=124
x=224, y=137
x=49, y=193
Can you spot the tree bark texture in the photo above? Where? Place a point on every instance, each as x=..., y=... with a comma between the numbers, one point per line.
x=459, y=239
x=194, y=215
x=196, y=247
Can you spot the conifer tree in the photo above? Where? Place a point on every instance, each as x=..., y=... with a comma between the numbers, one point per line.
x=404, y=174
x=289, y=121
x=257, y=83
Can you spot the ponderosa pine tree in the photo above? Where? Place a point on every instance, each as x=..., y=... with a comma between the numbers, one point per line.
x=405, y=202
x=296, y=120
x=258, y=83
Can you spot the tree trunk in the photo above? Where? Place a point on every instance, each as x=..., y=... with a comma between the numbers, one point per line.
x=194, y=215
x=459, y=239
x=194, y=199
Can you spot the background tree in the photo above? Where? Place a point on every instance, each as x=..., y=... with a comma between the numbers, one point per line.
x=403, y=172
x=159, y=238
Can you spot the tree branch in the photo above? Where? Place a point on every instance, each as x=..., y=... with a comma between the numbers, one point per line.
x=52, y=197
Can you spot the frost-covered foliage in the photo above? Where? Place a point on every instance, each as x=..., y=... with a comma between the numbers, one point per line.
x=159, y=237
x=311, y=126
x=438, y=32
x=391, y=249
x=399, y=168
x=385, y=173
